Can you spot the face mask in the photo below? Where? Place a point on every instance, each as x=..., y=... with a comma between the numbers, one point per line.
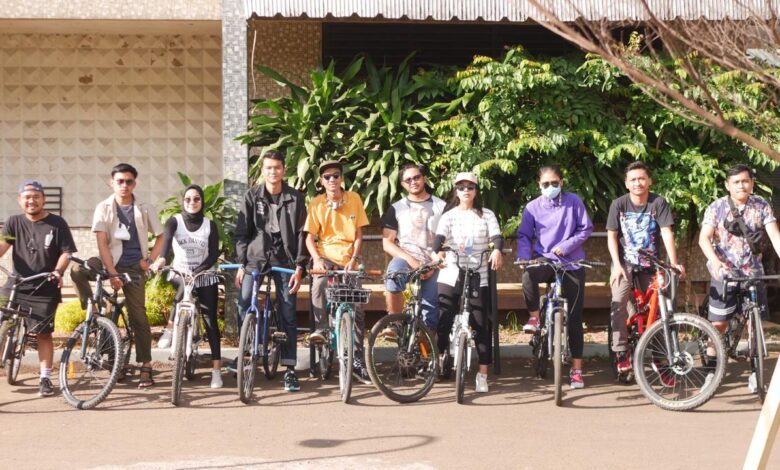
x=551, y=191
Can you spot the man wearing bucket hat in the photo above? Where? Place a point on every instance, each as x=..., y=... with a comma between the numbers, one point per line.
x=41, y=243
x=334, y=227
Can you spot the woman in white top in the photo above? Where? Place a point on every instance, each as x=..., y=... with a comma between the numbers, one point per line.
x=466, y=226
x=194, y=240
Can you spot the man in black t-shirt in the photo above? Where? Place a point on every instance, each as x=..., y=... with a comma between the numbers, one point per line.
x=41, y=243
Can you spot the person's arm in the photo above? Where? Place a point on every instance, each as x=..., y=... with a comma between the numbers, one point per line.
x=581, y=232
x=613, y=245
x=61, y=266
x=356, y=246
x=773, y=232
x=317, y=261
x=525, y=235
x=300, y=221
x=705, y=243
x=667, y=234
x=168, y=232
x=245, y=228
x=4, y=246
x=390, y=247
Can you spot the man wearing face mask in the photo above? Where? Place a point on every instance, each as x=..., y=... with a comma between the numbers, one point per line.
x=560, y=225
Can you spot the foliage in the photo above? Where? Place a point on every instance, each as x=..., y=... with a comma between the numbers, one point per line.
x=69, y=315
x=216, y=207
x=159, y=300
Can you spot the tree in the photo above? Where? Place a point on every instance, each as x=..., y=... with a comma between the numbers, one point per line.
x=718, y=69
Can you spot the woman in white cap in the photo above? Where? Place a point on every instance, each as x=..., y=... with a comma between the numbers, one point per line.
x=466, y=226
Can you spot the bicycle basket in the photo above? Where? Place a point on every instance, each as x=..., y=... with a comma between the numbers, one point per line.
x=347, y=295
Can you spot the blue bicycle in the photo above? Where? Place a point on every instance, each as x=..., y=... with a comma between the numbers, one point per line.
x=261, y=334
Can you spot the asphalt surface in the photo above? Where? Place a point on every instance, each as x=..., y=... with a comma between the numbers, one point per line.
x=515, y=425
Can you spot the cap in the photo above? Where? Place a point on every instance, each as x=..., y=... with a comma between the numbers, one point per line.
x=30, y=185
x=330, y=164
x=465, y=176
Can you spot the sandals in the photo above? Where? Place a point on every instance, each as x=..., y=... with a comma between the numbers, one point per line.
x=148, y=381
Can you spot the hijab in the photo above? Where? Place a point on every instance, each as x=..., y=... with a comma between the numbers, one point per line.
x=193, y=221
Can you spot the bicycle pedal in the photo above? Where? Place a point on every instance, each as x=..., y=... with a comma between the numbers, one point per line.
x=279, y=336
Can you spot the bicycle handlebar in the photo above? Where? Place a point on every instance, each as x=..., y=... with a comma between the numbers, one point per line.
x=337, y=272
x=21, y=280
x=556, y=265
x=458, y=255
x=657, y=261
x=126, y=278
x=423, y=269
x=734, y=280
x=275, y=269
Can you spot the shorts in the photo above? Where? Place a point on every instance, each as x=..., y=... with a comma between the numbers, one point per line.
x=42, y=312
x=723, y=304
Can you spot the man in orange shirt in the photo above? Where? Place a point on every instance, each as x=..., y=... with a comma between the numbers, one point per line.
x=334, y=227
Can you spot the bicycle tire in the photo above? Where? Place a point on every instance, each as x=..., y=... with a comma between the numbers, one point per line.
x=179, y=356
x=190, y=364
x=104, y=353
x=4, y=327
x=757, y=358
x=16, y=358
x=272, y=350
x=691, y=386
x=323, y=360
x=13, y=362
x=460, y=366
x=245, y=370
x=346, y=351
x=406, y=376
x=557, y=355
x=126, y=341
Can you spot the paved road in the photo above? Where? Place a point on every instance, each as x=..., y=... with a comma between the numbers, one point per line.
x=516, y=425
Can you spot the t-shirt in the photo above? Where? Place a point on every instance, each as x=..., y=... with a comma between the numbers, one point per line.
x=733, y=250
x=36, y=248
x=277, y=254
x=131, y=248
x=639, y=227
x=465, y=231
x=415, y=223
x=336, y=228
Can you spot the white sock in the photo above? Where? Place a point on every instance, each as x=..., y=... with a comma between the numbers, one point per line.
x=45, y=372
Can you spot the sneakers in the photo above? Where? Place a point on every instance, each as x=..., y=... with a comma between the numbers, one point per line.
x=318, y=336
x=482, y=385
x=165, y=340
x=216, y=378
x=575, y=378
x=45, y=389
x=291, y=382
x=752, y=383
x=390, y=333
x=360, y=372
x=532, y=326
x=623, y=362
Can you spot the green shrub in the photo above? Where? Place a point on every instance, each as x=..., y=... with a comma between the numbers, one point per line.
x=159, y=300
x=69, y=315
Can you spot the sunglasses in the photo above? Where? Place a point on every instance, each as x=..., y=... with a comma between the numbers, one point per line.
x=466, y=187
x=547, y=184
x=412, y=179
x=331, y=176
x=124, y=182
x=191, y=199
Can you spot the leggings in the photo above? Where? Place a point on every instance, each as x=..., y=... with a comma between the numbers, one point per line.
x=207, y=299
x=573, y=292
x=449, y=302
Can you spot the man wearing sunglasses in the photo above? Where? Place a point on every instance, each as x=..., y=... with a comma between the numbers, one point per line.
x=334, y=227
x=121, y=225
x=269, y=232
x=408, y=230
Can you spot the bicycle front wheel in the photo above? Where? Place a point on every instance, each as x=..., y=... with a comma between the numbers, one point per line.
x=90, y=368
x=557, y=343
x=247, y=359
x=758, y=357
x=346, y=351
x=693, y=375
x=402, y=363
x=461, y=366
x=179, y=356
x=16, y=346
x=272, y=347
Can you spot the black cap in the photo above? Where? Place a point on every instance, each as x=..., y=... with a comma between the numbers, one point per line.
x=330, y=164
x=30, y=185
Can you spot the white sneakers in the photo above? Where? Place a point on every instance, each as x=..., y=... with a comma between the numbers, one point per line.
x=752, y=383
x=482, y=385
x=216, y=378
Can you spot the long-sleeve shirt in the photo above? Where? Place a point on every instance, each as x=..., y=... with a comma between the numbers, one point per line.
x=562, y=222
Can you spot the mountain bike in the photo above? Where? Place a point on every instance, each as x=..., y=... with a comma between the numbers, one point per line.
x=749, y=315
x=403, y=365
x=93, y=358
x=551, y=340
x=343, y=294
x=261, y=334
x=672, y=362
x=15, y=337
x=187, y=334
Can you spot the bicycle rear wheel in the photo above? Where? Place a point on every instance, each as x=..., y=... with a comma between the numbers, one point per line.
x=89, y=369
x=117, y=316
x=461, y=366
x=179, y=356
x=758, y=360
x=247, y=359
x=693, y=376
x=346, y=351
x=557, y=355
x=272, y=347
x=402, y=368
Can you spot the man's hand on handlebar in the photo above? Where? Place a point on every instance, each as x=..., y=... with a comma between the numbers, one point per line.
x=496, y=260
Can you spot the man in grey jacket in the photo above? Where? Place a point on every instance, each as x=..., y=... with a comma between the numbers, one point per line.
x=269, y=232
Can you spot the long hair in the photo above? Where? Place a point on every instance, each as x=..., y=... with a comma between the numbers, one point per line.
x=453, y=201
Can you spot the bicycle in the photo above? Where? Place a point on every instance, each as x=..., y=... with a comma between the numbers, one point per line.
x=261, y=335
x=187, y=336
x=93, y=358
x=670, y=361
x=461, y=335
x=551, y=340
x=749, y=314
x=14, y=334
x=404, y=368
x=342, y=294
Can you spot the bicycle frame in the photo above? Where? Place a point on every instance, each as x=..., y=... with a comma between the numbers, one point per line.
x=552, y=303
x=13, y=313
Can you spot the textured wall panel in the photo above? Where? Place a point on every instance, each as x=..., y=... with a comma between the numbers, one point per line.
x=113, y=9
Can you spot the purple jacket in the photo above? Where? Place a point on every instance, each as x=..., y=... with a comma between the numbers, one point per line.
x=561, y=222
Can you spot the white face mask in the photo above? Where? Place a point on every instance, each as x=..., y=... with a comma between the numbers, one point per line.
x=551, y=191
x=122, y=233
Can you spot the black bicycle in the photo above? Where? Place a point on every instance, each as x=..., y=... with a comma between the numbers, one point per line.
x=401, y=357
x=93, y=358
x=14, y=334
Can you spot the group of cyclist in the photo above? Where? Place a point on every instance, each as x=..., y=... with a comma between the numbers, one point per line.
x=275, y=227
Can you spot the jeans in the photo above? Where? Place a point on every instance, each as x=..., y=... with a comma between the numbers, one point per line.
x=428, y=290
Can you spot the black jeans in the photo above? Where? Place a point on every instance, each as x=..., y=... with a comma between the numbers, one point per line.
x=449, y=304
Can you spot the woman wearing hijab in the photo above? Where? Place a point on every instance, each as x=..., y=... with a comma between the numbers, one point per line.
x=194, y=240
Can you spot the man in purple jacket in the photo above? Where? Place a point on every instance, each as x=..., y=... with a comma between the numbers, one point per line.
x=554, y=226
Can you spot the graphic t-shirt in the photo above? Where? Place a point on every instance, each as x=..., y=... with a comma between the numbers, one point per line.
x=639, y=227
x=415, y=224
